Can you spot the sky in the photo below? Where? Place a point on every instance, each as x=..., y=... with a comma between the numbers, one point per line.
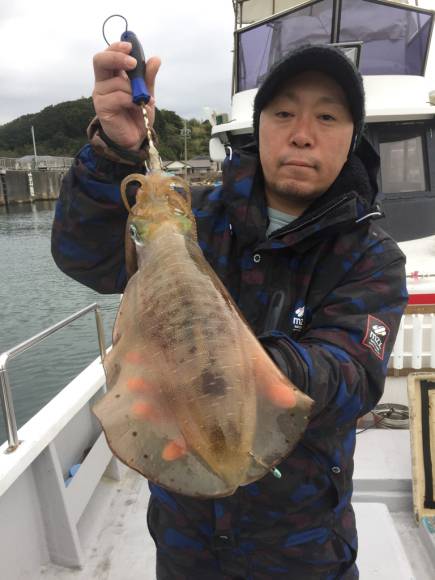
x=47, y=46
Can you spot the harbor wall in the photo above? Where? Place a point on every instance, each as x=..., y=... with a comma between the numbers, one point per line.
x=18, y=186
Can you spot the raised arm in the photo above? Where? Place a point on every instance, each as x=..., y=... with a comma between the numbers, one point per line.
x=88, y=228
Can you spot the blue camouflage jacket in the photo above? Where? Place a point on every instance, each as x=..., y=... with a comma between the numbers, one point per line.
x=324, y=294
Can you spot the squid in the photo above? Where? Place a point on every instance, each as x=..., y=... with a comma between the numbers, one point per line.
x=193, y=403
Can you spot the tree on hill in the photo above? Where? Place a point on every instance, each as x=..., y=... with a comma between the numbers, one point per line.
x=61, y=130
x=168, y=127
x=200, y=135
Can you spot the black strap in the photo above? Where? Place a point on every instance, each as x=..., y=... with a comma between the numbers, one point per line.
x=127, y=154
x=427, y=386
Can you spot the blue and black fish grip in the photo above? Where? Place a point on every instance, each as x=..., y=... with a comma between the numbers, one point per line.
x=140, y=92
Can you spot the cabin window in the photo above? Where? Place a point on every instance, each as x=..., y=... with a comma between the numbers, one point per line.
x=262, y=45
x=396, y=39
x=403, y=160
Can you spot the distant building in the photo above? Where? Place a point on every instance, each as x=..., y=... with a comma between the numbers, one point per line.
x=199, y=167
x=8, y=163
x=196, y=168
x=175, y=167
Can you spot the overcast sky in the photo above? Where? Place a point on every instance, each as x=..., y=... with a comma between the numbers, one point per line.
x=46, y=50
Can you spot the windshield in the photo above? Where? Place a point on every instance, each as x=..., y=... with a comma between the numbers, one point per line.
x=261, y=46
x=395, y=39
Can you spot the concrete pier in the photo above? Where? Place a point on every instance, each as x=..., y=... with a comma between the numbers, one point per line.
x=25, y=186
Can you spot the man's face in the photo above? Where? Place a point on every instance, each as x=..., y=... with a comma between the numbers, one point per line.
x=305, y=134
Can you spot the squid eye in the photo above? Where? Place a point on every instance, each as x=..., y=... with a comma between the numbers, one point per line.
x=134, y=233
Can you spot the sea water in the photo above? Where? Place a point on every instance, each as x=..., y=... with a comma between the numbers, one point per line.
x=35, y=294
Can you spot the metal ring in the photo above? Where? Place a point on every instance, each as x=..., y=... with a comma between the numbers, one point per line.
x=113, y=16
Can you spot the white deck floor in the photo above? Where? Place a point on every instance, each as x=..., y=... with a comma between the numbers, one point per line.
x=119, y=546
x=115, y=532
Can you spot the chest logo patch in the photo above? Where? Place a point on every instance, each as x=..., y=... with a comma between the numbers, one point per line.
x=298, y=319
x=376, y=336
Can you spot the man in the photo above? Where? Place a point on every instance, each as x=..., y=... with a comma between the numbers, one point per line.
x=291, y=235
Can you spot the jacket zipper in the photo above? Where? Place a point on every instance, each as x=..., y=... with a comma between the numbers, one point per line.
x=314, y=218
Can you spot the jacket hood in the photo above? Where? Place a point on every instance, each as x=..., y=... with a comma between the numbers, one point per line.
x=359, y=174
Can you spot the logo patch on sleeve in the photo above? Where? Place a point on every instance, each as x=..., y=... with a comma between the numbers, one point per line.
x=376, y=336
x=298, y=319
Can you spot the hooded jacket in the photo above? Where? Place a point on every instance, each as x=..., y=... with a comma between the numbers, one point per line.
x=324, y=295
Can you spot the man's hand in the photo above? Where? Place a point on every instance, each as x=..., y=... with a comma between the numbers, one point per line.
x=121, y=119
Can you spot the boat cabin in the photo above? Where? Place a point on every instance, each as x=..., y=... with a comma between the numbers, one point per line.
x=391, y=44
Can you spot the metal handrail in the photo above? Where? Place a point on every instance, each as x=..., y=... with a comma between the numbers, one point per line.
x=6, y=393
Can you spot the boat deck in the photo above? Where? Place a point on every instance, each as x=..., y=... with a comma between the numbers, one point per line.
x=119, y=547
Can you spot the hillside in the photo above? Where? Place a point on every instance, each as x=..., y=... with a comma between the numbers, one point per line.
x=61, y=130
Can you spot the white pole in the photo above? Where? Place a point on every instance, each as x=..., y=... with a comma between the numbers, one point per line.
x=34, y=146
x=417, y=340
x=185, y=132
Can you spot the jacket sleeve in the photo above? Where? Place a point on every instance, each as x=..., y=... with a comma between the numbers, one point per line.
x=88, y=229
x=341, y=359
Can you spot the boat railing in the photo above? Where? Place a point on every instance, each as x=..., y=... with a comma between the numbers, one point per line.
x=6, y=392
x=414, y=348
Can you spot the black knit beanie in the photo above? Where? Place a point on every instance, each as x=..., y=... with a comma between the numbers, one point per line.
x=319, y=57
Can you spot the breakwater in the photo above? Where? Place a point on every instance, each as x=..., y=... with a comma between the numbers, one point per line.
x=26, y=186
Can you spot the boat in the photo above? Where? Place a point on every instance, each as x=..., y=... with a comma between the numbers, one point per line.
x=69, y=509
x=391, y=43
